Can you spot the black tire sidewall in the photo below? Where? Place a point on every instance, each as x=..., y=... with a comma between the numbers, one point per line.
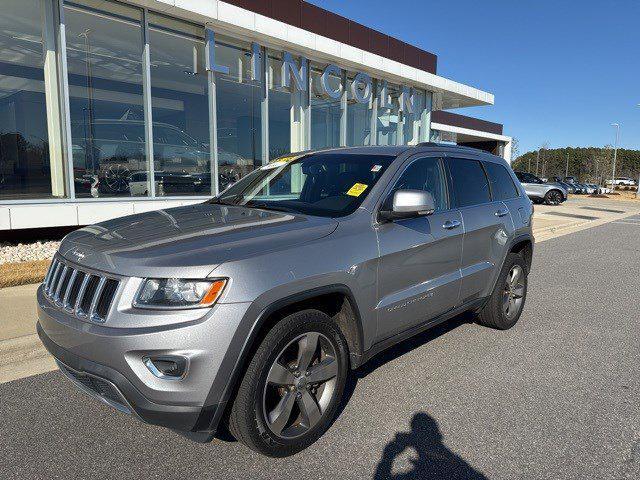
x=548, y=198
x=277, y=339
x=496, y=317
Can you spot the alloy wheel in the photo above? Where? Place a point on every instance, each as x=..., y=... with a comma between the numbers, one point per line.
x=555, y=198
x=514, y=291
x=300, y=385
x=117, y=178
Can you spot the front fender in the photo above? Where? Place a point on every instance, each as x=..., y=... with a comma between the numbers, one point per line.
x=247, y=338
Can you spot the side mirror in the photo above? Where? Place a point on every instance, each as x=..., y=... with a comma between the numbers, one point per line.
x=408, y=204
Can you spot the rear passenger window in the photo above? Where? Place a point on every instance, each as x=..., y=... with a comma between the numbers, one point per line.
x=502, y=186
x=470, y=185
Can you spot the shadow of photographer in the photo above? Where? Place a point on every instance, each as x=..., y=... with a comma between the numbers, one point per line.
x=434, y=459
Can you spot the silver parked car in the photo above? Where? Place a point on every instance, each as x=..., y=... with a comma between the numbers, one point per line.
x=250, y=309
x=539, y=191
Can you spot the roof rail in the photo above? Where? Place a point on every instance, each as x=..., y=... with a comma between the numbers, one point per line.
x=449, y=145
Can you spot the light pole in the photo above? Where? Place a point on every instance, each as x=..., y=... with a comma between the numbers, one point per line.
x=615, y=156
x=638, y=184
x=566, y=170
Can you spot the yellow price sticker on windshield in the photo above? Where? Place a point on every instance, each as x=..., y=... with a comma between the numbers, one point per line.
x=357, y=189
x=288, y=159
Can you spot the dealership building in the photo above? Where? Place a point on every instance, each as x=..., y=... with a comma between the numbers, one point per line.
x=109, y=108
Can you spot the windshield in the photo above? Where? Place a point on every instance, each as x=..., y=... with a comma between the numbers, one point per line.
x=331, y=184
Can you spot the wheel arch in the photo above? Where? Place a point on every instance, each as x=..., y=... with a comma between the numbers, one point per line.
x=335, y=300
x=523, y=245
x=555, y=190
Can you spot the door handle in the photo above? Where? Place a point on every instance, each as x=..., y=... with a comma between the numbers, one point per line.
x=502, y=213
x=451, y=224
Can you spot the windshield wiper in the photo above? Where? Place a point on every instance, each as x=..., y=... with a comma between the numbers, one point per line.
x=228, y=201
x=270, y=206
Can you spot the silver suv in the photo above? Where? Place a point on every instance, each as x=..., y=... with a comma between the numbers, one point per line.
x=244, y=314
x=540, y=191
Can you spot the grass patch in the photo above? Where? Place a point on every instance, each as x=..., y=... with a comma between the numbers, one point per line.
x=22, y=273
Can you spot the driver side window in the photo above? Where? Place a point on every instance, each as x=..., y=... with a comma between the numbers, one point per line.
x=425, y=174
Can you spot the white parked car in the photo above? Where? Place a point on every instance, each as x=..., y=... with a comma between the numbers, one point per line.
x=622, y=181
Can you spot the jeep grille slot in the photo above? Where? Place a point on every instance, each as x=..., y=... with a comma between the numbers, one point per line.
x=61, y=290
x=74, y=290
x=90, y=291
x=57, y=270
x=87, y=295
x=104, y=302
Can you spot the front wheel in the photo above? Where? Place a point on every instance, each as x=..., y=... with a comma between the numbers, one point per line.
x=504, y=307
x=292, y=388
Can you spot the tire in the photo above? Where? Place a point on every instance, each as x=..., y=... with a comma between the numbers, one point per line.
x=253, y=418
x=493, y=314
x=553, y=197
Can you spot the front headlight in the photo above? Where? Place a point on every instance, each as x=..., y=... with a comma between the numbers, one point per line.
x=176, y=293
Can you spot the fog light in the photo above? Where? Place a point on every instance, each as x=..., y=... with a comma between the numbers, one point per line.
x=170, y=367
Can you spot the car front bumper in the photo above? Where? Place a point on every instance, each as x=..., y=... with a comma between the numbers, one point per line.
x=107, y=363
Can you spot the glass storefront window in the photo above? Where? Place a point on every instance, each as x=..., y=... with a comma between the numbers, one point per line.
x=239, y=114
x=279, y=110
x=358, y=120
x=106, y=61
x=325, y=112
x=104, y=57
x=387, y=128
x=25, y=163
x=179, y=90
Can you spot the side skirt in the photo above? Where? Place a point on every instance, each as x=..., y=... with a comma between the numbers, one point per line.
x=391, y=341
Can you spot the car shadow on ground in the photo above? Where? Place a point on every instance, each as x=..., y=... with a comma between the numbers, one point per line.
x=430, y=457
x=397, y=351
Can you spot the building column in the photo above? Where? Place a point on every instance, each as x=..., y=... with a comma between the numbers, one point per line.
x=506, y=151
x=343, y=110
x=52, y=99
x=425, y=120
x=264, y=105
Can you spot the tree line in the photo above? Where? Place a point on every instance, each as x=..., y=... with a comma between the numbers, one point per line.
x=587, y=164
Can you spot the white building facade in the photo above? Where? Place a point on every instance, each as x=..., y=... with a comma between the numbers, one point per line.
x=109, y=108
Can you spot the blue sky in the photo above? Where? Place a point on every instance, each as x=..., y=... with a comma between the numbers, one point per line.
x=562, y=71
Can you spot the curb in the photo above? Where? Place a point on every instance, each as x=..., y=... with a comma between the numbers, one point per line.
x=22, y=357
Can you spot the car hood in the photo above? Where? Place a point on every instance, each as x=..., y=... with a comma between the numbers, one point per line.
x=188, y=241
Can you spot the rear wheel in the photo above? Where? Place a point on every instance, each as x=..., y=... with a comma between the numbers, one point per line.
x=291, y=389
x=504, y=307
x=553, y=197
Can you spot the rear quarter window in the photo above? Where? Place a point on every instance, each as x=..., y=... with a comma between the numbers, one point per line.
x=502, y=186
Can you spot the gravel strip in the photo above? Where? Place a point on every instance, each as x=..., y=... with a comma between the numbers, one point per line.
x=26, y=252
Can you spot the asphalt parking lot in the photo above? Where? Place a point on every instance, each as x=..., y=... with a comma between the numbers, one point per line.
x=555, y=397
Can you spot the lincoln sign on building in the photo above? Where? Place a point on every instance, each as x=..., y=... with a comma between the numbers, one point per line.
x=109, y=108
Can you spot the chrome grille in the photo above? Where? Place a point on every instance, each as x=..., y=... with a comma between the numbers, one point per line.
x=86, y=295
